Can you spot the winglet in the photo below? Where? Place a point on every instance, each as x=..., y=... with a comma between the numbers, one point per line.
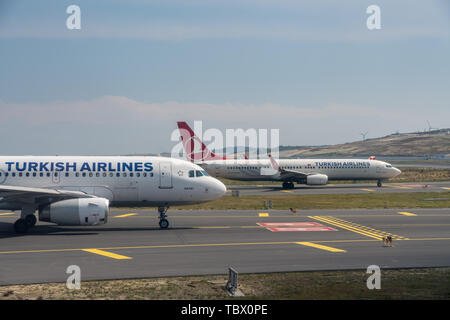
x=274, y=163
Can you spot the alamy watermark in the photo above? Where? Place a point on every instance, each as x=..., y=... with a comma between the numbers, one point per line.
x=74, y=280
x=374, y=281
x=213, y=144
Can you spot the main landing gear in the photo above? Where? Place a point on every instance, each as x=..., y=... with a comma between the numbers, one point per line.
x=27, y=219
x=288, y=185
x=163, y=222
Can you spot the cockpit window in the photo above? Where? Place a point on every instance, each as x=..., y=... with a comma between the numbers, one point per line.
x=198, y=173
x=191, y=173
x=205, y=173
x=388, y=166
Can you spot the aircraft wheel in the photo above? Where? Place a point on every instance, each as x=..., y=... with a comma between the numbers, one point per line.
x=163, y=224
x=30, y=220
x=291, y=185
x=379, y=184
x=285, y=185
x=21, y=226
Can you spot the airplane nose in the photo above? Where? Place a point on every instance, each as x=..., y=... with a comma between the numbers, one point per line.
x=397, y=171
x=217, y=189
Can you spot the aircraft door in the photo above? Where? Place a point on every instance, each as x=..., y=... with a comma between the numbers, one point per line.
x=165, y=175
x=56, y=176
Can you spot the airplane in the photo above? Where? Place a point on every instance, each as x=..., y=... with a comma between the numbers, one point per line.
x=288, y=171
x=77, y=190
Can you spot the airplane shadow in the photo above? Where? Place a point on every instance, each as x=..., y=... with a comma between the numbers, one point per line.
x=7, y=230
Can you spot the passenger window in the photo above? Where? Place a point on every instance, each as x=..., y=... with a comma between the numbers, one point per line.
x=117, y=174
x=27, y=174
x=131, y=174
x=34, y=174
x=111, y=174
x=13, y=174
x=138, y=174
x=67, y=174
x=104, y=174
x=97, y=174
x=77, y=174
x=20, y=174
x=124, y=174
x=191, y=173
x=84, y=174
x=144, y=174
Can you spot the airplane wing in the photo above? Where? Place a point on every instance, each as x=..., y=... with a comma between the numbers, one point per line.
x=27, y=195
x=286, y=174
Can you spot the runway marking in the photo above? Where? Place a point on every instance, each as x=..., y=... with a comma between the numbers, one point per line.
x=318, y=246
x=6, y=214
x=289, y=224
x=263, y=214
x=366, y=231
x=407, y=213
x=287, y=191
x=107, y=254
x=445, y=188
x=301, y=229
x=209, y=245
x=398, y=187
x=126, y=215
x=370, y=190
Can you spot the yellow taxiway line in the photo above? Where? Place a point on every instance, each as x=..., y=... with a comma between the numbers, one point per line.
x=208, y=245
x=407, y=213
x=446, y=188
x=370, y=190
x=6, y=214
x=319, y=246
x=126, y=215
x=366, y=231
x=107, y=254
x=263, y=214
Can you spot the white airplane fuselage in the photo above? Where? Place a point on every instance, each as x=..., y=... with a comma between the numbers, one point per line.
x=335, y=169
x=124, y=181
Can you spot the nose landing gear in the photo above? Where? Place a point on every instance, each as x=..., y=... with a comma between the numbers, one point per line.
x=163, y=222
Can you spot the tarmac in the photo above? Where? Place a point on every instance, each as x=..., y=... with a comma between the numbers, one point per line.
x=341, y=188
x=131, y=245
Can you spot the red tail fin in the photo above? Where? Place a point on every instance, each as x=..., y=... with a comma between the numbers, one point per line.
x=189, y=139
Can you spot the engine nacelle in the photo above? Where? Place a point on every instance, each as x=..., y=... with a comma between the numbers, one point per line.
x=76, y=212
x=317, y=179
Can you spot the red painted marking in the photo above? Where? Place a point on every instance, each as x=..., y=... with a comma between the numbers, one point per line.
x=289, y=224
x=301, y=229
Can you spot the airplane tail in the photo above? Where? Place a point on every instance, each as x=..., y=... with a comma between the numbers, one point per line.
x=190, y=139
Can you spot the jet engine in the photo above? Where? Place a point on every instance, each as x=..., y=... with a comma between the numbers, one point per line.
x=76, y=212
x=317, y=179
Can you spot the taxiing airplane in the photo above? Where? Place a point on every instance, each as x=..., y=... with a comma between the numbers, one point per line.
x=288, y=171
x=80, y=190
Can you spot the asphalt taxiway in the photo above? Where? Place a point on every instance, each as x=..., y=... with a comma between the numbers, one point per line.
x=342, y=188
x=131, y=245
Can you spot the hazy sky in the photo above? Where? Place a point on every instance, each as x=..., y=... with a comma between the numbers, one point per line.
x=310, y=68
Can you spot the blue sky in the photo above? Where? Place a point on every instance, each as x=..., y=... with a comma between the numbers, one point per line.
x=310, y=68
